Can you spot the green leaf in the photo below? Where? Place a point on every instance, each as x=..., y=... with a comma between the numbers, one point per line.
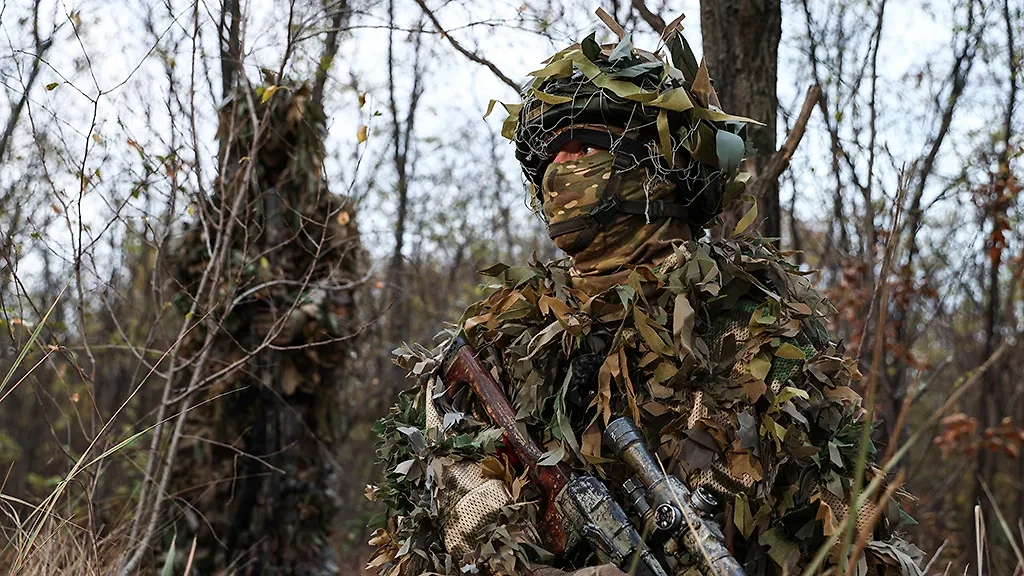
x=636, y=70
x=494, y=270
x=552, y=457
x=682, y=56
x=623, y=50
x=591, y=49
x=781, y=549
x=621, y=88
x=51, y=86
x=168, y=569
x=730, y=150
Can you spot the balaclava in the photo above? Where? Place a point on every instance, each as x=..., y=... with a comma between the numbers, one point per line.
x=575, y=188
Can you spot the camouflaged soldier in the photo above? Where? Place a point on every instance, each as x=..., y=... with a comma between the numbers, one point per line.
x=714, y=348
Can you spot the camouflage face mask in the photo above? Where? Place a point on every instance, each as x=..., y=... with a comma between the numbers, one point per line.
x=573, y=189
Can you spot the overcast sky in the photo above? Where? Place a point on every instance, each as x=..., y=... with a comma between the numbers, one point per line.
x=113, y=53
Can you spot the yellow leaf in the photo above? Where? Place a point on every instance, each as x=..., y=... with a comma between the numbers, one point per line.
x=800, y=308
x=560, y=309
x=746, y=221
x=268, y=93
x=591, y=445
x=361, y=134
x=649, y=334
x=362, y=99
x=787, y=350
x=675, y=99
x=344, y=217
x=742, y=517
x=788, y=393
x=550, y=98
x=664, y=139
x=741, y=463
x=557, y=69
x=759, y=367
x=628, y=385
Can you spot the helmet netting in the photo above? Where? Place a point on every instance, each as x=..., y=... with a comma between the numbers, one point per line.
x=666, y=110
x=597, y=108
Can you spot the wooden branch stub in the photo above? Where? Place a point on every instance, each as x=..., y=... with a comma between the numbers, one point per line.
x=779, y=161
x=611, y=23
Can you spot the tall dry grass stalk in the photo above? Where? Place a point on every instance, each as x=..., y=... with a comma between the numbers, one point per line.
x=61, y=548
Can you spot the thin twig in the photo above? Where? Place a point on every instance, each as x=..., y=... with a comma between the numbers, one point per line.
x=462, y=50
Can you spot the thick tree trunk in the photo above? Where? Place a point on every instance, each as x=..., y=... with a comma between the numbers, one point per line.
x=741, y=46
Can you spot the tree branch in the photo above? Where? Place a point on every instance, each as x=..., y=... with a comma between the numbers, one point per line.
x=41, y=46
x=653, y=20
x=330, y=51
x=779, y=161
x=462, y=50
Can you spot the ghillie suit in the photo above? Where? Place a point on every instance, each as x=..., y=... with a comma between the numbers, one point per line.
x=714, y=348
x=256, y=474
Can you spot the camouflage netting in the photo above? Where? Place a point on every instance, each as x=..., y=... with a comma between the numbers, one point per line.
x=256, y=475
x=718, y=353
x=661, y=113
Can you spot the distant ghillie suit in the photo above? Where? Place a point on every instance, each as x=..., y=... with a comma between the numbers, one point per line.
x=256, y=475
x=715, y=348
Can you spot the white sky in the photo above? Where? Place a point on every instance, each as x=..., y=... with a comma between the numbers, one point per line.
x=114, y=52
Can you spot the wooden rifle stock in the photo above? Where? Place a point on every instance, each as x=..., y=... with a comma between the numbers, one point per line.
x=464, y=368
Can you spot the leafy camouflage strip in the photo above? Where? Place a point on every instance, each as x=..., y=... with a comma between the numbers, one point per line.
x=666, y=104
x=720, y=357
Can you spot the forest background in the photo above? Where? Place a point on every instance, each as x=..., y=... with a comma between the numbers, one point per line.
x=212, y=212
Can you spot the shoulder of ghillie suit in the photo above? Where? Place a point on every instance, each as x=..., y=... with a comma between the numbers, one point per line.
x=719, y=354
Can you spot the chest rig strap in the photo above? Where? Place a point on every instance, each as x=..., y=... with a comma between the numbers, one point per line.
x=629, y=154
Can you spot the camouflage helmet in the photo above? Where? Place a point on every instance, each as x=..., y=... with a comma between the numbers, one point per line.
x=660, y=114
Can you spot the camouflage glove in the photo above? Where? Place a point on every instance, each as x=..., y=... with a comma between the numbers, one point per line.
x=469, y=501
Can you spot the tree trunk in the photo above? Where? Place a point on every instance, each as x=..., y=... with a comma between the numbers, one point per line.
x=741, y=46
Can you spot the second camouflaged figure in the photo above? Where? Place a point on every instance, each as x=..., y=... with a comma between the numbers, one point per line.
x=714, y=348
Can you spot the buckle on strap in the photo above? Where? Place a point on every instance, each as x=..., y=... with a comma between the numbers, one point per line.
x=606, y=212
x=656, y=208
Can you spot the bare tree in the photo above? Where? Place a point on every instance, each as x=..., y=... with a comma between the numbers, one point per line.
x=741, y=47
